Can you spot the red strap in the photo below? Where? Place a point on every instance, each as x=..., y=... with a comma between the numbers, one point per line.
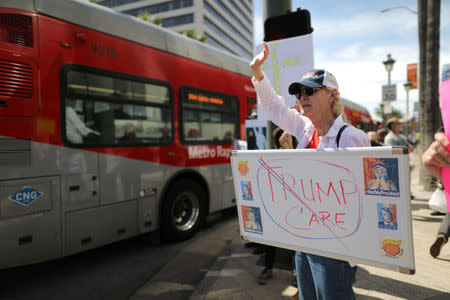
x=314, y=143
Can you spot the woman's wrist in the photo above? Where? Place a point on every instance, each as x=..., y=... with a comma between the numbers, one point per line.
x=258, y=74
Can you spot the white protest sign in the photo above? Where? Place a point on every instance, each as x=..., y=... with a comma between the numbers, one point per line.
x=351, y=204
x=288, y=60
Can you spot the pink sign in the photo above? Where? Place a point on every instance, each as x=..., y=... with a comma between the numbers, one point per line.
x=445, y=111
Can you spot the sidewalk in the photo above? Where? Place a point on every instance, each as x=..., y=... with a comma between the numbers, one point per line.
x=235, y=273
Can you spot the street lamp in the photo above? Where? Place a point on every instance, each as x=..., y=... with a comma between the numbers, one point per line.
x=389, y=65
x=407, y=86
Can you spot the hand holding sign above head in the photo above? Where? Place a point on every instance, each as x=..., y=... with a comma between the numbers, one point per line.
x=257, y=61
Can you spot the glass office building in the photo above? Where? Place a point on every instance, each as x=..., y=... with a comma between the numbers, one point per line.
x=227, y=24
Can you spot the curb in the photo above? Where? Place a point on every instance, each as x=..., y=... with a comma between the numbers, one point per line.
x=202, y=289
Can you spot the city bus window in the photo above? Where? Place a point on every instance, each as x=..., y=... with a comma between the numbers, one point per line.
x=99, y=85
x=76, y=82
x=126, y=124
x=208, y=117
x=151, y=93
x=118, y=111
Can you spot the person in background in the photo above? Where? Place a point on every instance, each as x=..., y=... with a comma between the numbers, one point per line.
x=434, y=158
x=381, y=135
x=129, y=134
x=394, y=137
x=166, y=134
x=118, y=111
x=269, y=251
x=105, y=121
x=277, y=133
x=76, y=130
x=193, y=133
x=319, y=126
x=287, y=141
x=373, y=138
x=280, y=138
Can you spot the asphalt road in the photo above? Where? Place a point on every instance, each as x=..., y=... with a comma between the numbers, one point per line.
x=132, y=268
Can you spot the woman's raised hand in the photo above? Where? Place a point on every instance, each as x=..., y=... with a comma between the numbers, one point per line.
x=257, y=61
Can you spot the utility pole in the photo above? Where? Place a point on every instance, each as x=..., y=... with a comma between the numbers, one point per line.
x=429, y=115
x=407, y=86
x=273, y=8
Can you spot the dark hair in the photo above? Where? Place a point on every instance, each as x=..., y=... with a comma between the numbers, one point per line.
x=391, y=122
x=382, y=131
x=294, y=142
x=277, y=133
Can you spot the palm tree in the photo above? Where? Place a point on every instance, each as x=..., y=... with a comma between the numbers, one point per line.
x=379, y=111
x=430, y=115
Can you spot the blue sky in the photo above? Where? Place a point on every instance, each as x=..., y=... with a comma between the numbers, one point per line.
x=351, y=39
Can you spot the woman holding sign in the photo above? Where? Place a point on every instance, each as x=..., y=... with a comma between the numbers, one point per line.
x=320, y=126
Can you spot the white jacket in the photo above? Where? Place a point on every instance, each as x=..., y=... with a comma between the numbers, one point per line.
x=75, y=128
x=300, y=126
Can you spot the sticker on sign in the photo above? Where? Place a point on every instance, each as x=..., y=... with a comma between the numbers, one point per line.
x=389, y=93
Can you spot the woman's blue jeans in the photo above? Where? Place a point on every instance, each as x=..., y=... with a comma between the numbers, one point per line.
x=320, y=277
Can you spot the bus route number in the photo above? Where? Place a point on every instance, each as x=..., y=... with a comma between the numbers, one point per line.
x=103, y=51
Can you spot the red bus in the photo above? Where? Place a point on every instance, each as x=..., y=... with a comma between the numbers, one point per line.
x=110, y=127
x=358, y=115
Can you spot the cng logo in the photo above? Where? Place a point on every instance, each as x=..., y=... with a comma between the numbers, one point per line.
x=26, y=196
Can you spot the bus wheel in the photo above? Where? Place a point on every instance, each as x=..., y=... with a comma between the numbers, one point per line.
x=183, y=210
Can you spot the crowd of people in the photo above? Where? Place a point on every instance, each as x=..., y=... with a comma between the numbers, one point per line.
x=319, y=122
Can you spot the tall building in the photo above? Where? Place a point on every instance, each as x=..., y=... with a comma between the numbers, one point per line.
x=226, y=24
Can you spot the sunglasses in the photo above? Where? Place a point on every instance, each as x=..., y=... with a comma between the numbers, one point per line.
x=307, y=91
